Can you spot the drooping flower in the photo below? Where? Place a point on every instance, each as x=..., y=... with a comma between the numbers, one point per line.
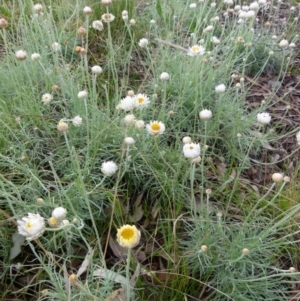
x=109, y=168
x=32, y=227
x=220, y=88
x=128, y=236
x=46, y=98
x=98, y=25
x=191, y=150
x=155, y=128
x=205, y=114
x=107, y=17
x=21, y=55
x=143, y=43
x=141, y=101
x=77, y=121
x=126, y=104
x=196, y=50
x=59, y=213
x=263, y=118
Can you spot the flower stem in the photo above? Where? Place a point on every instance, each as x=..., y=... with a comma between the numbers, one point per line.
x=128, y=290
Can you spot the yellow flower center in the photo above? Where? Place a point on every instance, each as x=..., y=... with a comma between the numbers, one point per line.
x=28, y=225
x=191, y=147
x=140, y=99
x=127, y=233
x=155, y=127
x=106, y=16
x=195, y=48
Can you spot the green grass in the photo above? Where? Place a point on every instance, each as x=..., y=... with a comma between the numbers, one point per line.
x=165, y=195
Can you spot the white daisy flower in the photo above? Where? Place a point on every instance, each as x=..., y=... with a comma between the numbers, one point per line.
x=46, y=98
x=191, y=150
x=109, y=168
x=263, y=118
x=107, y=17
x=155, y=128
x=32, y=227
x=196, y=50
x=126, y=104
x=141, y=101
x=98, y=25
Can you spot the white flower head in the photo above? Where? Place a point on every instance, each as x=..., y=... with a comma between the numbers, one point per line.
x=193, y=5
x=87, y=10
x=155, y=128
x=254, y=6
x=77, y=121
x=132, y=22
x=46, y=98
x=62, y=126
x=139, y=124
x=129, y=119
x=298, y=138
x=109, y=168
x=191, y=150
x=277, y=177
x=186, y=139
x=97, y=70
x=21, y=55
x=35, y=56
x=38, y=8
x=107, y=17
x=82, y=94
x=283, y=43
x=56, y=46
x=129, y=141
x=209, y=28
x=32, y=227
x=164, y=76
x=263, y=118
x=106, y=2
x=98, y=25
x=59, y=213
x=141, y=101
x=152, y=22
x=196, y=50
x=128, y=236
x=143, y=43
x=3, y=23
x=220, y=88
x=215, y=40
x=126, y=104
x=205, y=114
